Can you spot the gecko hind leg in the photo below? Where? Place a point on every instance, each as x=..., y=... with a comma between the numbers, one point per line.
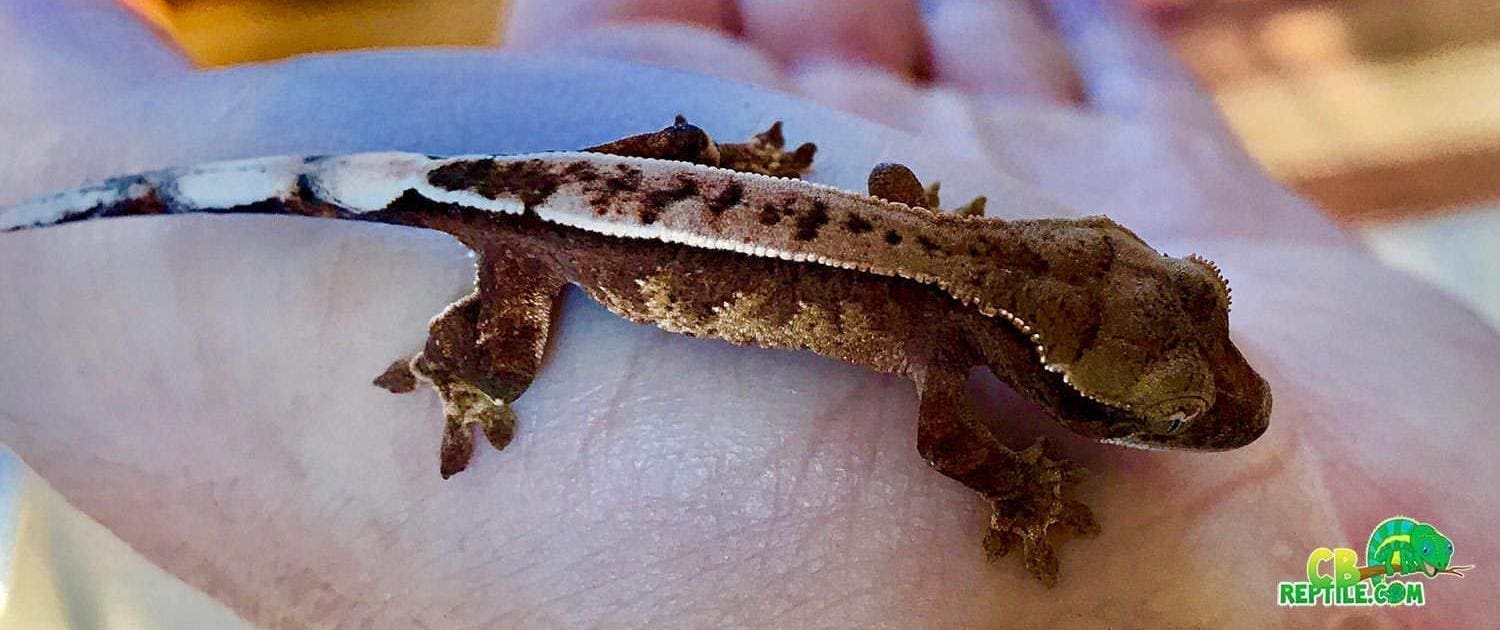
x=1025, y=489
x=686, y=142
x=682, y=142
x=764, y=153
x=482, y=353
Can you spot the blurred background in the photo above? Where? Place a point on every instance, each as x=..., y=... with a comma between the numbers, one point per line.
x=1384, y=112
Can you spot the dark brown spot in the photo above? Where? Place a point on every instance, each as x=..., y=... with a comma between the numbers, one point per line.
x=265, y=206
x=649, y=214
x=683, y=186
x=581, y=171
x=626, y=178
x=731, y=196
x=623, y=179
x=149, y=203
x=927, y=244
x=412, y=208
x=532, y=181
x=769, y=215
x=811, y=221
x=857, y=224
x=1020, y=256
x=892, y=237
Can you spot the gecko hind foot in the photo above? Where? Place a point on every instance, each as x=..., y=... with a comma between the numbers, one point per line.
x=1038, y=509
x=764, y=154
x=482, y=352
x=465, y=406
x=682, y=141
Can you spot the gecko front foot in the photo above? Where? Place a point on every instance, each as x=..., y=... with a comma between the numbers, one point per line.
x=1024, y=488
x=1036, y=508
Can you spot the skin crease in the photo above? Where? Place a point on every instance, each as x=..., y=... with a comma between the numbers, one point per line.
x=662, y=479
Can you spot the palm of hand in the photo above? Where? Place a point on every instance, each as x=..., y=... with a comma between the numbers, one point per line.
x=770, y=488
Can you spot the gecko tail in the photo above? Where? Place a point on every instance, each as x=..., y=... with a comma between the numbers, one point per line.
x=343, y=186
x=264, y=185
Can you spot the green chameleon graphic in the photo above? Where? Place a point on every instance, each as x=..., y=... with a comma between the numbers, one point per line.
x=1400, y=546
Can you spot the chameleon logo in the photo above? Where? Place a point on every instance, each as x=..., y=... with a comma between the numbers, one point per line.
x=1403, y=546
x=1398, y=547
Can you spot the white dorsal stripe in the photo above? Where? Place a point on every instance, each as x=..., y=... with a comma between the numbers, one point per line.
x=230, y=184
x=366, y=182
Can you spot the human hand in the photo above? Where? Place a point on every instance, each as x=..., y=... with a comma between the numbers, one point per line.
x=208, y=398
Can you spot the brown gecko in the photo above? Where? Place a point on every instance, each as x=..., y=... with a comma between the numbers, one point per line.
x=1120, y=343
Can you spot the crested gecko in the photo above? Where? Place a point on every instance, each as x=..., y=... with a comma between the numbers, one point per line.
x=1119, y=342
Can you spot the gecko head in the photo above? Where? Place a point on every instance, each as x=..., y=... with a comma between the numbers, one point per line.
x=1190, y=388
x=1137, y=350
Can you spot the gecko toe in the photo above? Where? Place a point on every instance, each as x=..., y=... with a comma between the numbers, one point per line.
x=1041, y=560
x=398, y=378
x=456, y=450
x=499, y=425
x=998, y=543
x=1030, y=514
x=1078, y=519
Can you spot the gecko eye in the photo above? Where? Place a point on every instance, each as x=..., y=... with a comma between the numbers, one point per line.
x=1174, y=423
x=1183, y=412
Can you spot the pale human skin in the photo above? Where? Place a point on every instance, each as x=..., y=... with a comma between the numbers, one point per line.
x=200, y=384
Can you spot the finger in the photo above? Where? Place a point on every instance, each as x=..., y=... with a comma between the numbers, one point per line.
x=51, y=47
x=1000, y=49
x=1127, y=69
x=886, y=34
x=538, y=23
x=676, y=45
x=941, y=116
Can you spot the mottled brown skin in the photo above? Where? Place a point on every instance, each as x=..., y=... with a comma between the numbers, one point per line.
x=1119, y=342
x=847, y=314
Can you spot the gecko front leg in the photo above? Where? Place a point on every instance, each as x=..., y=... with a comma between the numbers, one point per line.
x=1024, y=489
x=483, y=351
